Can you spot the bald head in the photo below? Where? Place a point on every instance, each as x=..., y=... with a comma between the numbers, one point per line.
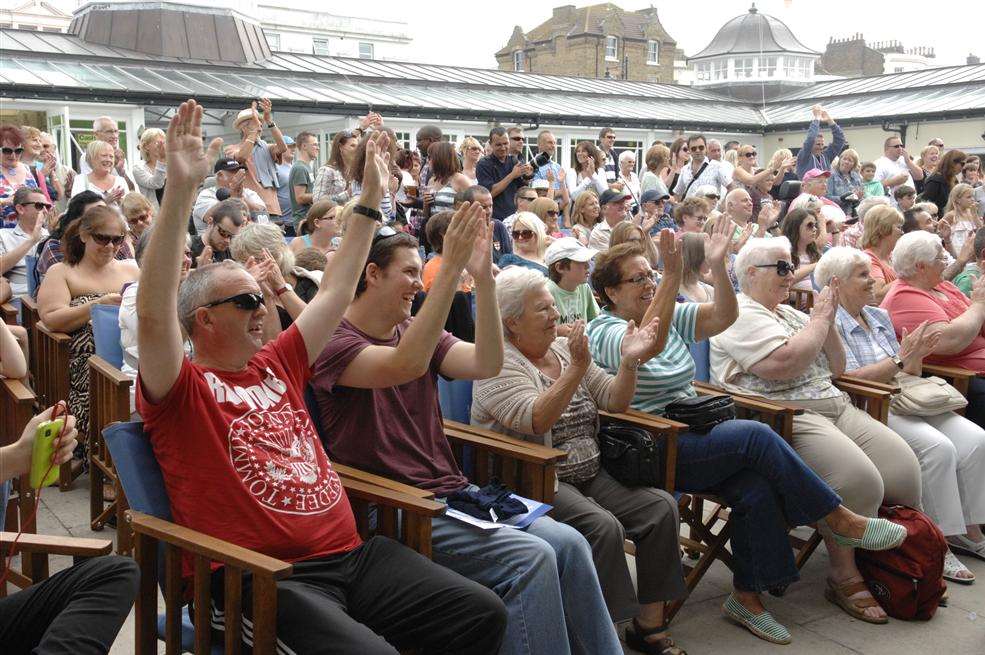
x=738, y=205
x=106, y=130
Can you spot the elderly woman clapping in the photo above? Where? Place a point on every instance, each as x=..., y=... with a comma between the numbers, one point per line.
x=776, y=351
x=950, y=448
x=762, y=479
x=550, y=392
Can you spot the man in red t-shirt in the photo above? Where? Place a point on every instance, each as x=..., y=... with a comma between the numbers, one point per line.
x=240, y=458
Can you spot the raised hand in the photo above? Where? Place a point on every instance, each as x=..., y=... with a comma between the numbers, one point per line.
x=826, y=304
x=266, y=107
x=377, y=167
x=205, y=258
x=670, y=253
x=978, y=291
x=188, y=162
x=578, y=346
x=638, y=343
x=480, y=263
x=463, y=232
x=720, y=243
x=275, y=278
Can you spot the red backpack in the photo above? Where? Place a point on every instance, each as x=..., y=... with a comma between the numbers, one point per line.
x=907, y=580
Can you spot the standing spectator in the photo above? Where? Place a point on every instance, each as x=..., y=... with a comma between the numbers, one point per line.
x=13, y=174
x=332, y=181
x=845, y=180
x=139, y=214
x=702, y=171
x=102, y=177
x=659, y=172
x=961, y=214
x=446, y=176
x=552, y=172
x=501, y=173
x=230, y=177
x=105, y=129
x=284, y=162
x=627, y=177
x=518, y=144
x=680, y=156
x=938, y=186
x=746, y=173
x=585, y=214
x=470, y=152
x=63, y=176
x=814, y=154
x=212, y=245
x=259, y=157
x=610, y=164
x=569, y=265
x=301, y=178
x=613, y=213
x=928, y=160
x=895, y=166
x=426, y=135
x=715, y=154
x=588, y=172
x=151, y=171
x=40, y=163
x=30, y=207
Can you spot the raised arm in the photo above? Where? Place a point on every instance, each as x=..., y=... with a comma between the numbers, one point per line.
x=715, y=317
x=12, y=257
x=318, y=321
x=279, y=145
x=159, y=333
x=665, y=299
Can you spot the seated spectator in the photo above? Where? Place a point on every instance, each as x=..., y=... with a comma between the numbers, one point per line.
x=761, y=478
x=13, y=362
x=139, y=214
x=905, y=197
x=883, y=228
x=332, y=179
x=230, y=176
x=585, y=214
x=627, y=232
x=949, y=447
x=292, y=288
x=966, y=279
x=691, y=214
x=17, y=242
x=529, y=244
x=549, y=392
x=846, y=180
x=102, y=178
x=851, y=235
x=89, y=275
x=783, y=165
x=376, y=386
x=568, y=267
x=654, y=216
x=918, y=218
x=613, y=213
x=801, y=227
x=41, y=164
x=747, y=173
x=695, y=269
x=778, y=352
x=311, y=260
x=13, y=173
x=344, y=592
x=79, y=610
x=437, y=226
x=701, y=171
x=921, y=294
x=588, y=171
x=151, y=172
x=224, y=222
x=961, y=214
x=318, y=229
x=870, y=185
x=548, y=212
x=542, y=188
x=937, y=188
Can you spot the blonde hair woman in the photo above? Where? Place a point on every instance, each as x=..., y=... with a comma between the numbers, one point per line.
x=631, y=232
x=470, y=151
x=845, y=179
x=585, y=214
x=883, y=228
x=529, y=244
x=103, y=178
x=151, y=172
x=745, y=167
x=781, y=166
x=547, y=210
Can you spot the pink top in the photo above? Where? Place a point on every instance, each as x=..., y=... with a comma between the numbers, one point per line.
x=909, y=306
x=880, y=270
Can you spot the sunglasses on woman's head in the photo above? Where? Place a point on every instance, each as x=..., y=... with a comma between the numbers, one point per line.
x=106, y=239
x=523, y=234
x=245, y=301
x=12, y=151
x=783, y=267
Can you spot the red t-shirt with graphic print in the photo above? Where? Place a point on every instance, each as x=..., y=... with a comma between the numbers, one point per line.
x=242, y=461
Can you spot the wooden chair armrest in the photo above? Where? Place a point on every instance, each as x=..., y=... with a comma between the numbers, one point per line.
x=659, y=427
x=17, y=391
x=392, y=498
x=56, y=545
x=750, y=402
x=8, y=313
x=212, y=548
x=501, y=444
x=57, y=337
x=949, y=371
x=861, y=382
x=102, y=367
x=864, y=390
x=645, y=420
x=352, y=473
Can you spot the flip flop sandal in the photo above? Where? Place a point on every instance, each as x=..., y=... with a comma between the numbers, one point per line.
x=879, y=534
x=962, y=544
x=953, y=566
x=841, y=595
x=763, y=625
x=636, y=639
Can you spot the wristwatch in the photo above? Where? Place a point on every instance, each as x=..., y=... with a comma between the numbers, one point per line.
x=368, y=211
x=898, y=361
x=271, y=125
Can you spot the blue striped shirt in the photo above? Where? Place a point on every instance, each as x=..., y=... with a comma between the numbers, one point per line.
x=661, y=380
x=864, y=347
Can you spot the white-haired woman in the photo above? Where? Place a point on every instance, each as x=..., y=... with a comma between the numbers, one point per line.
x=550, y=392
x=529, y=244
x=949, y=447
x=627, y=175
x=151, y=172
x=778, y=352
x=103, y=178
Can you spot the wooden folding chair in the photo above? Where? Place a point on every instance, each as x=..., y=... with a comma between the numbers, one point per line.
x=802, y=299
x=52, y=383
x=35, y=549
x=109, y=402
x=8, y=313
x=16, y=409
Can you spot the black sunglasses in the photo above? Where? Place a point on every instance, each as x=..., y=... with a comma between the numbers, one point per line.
x=783, y=267
x=37, y=205
x=106, y=239
x=246, y=301
x=523, y=234
x=12, y=151
x=696, y=148
x=750, y=154
x=384, y=232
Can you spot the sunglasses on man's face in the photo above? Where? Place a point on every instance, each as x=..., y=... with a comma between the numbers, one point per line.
x=783, y=267
x=106, y=239
x=246, y=301
x=696, y=148
x=12, y=151
x=224, y=233
x=516, y=138
x=523, y=234
x=37, y=205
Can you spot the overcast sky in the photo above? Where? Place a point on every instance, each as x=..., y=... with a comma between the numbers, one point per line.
x=468, y=33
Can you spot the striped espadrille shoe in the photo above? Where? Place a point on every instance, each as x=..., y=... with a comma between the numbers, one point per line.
x=879, y=534
x=763, y=625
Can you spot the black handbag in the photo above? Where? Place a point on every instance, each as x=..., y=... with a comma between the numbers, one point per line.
x=701, y=413
x=631, y=456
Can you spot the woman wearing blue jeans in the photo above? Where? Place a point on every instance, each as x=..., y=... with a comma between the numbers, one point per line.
x=762, y=479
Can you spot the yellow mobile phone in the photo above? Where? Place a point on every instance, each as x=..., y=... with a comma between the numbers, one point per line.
x=44, y=448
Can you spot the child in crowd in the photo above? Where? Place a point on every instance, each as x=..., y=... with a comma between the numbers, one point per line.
x=568, y=268
x=872, y=186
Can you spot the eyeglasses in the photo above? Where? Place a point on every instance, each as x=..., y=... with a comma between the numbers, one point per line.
x=516, y=138
x=896, y=145
x=523, y=234
x=551, y=213
x=106, y=239
x=37, y=205
x=811, y=226
x=12, y=151
x=696, y=148
x=783, y=267
x=224, y=233
x=528, y=198
x=751, y=154
x=245, y=301
x=641, y=279
x=475, y=148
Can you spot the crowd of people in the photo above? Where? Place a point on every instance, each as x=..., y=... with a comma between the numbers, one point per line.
x=248, y=275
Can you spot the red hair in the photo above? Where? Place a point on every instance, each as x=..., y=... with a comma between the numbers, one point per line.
x=11, y=134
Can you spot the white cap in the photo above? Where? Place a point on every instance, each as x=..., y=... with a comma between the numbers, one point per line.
x=244, y=115
x=540, y=184
x=568, y=248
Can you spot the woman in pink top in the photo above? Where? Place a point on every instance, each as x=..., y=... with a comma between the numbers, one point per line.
x=883, y=228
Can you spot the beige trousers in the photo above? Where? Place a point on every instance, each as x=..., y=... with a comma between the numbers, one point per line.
x=865, y=462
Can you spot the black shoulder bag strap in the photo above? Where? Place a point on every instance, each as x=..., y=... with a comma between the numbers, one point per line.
x=695, y=178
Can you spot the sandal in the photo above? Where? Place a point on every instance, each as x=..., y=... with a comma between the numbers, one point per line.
x=841, y=595
x=962, y=544
x=763, y=625
x=879, y=534
x=953, y=566
x=636, y=639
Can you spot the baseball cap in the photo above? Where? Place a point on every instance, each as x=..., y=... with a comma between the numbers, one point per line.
x=225, y=164
x=540, y=184
x=568, y=248
x=653, y=195
x=288, y=141
x=815, y=173
x=610, y=195
x=706, y=190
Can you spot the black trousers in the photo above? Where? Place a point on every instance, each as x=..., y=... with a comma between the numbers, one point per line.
x=78, y=611
x=378, y=598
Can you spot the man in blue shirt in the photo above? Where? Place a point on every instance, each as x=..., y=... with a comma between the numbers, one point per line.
x=501, y=173
x=814, y=154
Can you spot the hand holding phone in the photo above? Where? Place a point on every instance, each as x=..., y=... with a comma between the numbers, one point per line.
x=46, y=440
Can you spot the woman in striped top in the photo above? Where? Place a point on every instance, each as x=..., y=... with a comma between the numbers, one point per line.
x=758, y=474
x=446, y=177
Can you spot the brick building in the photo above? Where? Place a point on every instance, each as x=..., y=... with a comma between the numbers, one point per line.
x=599, y=41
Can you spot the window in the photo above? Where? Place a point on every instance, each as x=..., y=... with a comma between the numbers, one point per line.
x=273, y=40
x=719, y=70
x=320, y=46
x=790, y=66
x=366, y=50
x=898, y=69
x=803, y=68
x=518, y=61
x=743, y=67
x=653, y=52
x=612, y=48
x=767, y=66
x=703, y=71
x=403, y=139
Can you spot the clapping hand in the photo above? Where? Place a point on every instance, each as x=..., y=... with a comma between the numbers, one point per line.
x=916, y=345
x=578, y=346
x=718, y=246
x=826, y=304
x=188, y=162
x=266, y=107
x=639, y=342
x=377, y=167
x=466, y=227
x=204, y=258
x=670, y=253
x=978, y=291
x=480, y=264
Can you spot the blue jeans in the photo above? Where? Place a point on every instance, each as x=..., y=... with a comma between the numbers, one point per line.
x=544, y=575
x=769, y=490
x=4, y=495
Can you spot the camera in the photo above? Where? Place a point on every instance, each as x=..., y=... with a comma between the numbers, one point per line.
x=542, y=159
x=850, y=202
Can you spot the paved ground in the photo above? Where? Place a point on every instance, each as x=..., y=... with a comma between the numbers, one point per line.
x=817, y=626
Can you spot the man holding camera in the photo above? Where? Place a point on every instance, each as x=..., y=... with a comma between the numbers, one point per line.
x=545, y=168
x=502, y=173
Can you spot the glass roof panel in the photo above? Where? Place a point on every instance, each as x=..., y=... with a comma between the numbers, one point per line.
x=17, y=74
x=73, y=75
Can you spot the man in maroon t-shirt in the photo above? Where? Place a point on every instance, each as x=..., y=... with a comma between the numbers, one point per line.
x=239, y=456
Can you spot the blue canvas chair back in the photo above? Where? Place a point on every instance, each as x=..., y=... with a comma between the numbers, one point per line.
x=701, y=354
x=106, y=333
x=455, y=397
x=31, y=261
